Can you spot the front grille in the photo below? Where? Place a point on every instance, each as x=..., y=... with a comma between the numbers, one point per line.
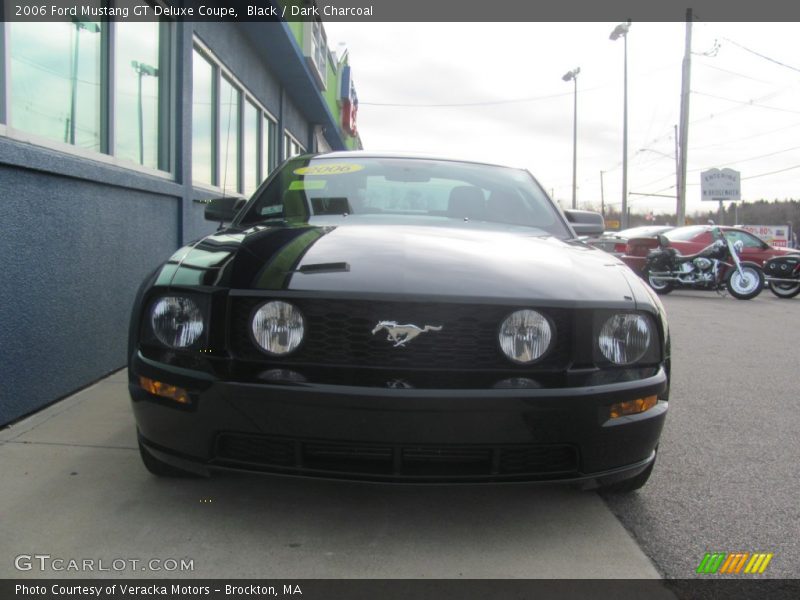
x=398, y=462
x=339, y=332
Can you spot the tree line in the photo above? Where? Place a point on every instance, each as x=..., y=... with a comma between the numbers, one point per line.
x=760, y=212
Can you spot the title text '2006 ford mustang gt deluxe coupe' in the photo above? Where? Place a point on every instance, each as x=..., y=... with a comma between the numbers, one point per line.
x=400, y=319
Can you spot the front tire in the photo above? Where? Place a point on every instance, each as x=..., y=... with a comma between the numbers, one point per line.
x=746, y=285
x=784, y=290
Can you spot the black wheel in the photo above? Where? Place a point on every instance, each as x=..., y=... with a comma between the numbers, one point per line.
x=660, y=287
x=160, y=468
x=629, y=485
x=746, y=285
x=784, y=290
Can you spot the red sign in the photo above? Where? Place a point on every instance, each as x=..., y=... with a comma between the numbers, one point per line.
x=349, y=100
x=777, y=235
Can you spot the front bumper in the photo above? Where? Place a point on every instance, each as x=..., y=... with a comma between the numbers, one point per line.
x=559, y=434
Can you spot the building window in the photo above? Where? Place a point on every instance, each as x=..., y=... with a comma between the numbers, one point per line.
x=55, y=76
x=320, y=48
x=269, y=146
x=203, y=164
x=229, y=136
x=316, y=50
x=100, y=86
x=291, y=147
x=250, y=160
x=232, y=134
x=139, y=76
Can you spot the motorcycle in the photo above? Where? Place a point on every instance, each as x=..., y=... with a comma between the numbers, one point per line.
x=715, y=267
x=783, y=275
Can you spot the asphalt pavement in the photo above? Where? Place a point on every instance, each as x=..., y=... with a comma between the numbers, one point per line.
x=727, y=477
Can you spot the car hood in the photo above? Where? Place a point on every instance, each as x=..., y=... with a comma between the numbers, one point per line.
x=469, y=259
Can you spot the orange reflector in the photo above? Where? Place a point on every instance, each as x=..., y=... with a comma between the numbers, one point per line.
x=164, y=390
x=632, y=407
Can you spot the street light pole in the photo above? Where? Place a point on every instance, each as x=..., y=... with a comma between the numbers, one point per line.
x=602, y=197
x=686, y=75
x=142, y=69
x=73, y=105
x=573, y=76
x=621, y=30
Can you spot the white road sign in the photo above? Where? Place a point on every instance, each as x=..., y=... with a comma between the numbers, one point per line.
x=720, y=184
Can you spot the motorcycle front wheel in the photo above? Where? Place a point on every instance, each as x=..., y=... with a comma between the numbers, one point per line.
x=659, y=286
x=746, y=285
x=784, y=290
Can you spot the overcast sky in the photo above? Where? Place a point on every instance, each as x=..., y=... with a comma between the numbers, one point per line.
x=744, y=111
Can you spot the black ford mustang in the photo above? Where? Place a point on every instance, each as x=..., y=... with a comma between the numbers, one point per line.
x=399, y=319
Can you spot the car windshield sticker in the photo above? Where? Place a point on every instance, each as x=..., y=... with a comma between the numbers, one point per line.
x=316, y=184
x=329, y=169
x=272, y=209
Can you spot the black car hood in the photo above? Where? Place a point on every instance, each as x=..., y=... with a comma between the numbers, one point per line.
x=461, y=259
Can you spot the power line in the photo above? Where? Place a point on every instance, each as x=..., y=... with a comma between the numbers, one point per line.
x=756, y=176
x=745, y=102
x=772, y=172
x=734, y=162
x=749, y=137
x=504, y=101
x=716, y=68
x=467, y=104
x=772, y=60
x=733, y=108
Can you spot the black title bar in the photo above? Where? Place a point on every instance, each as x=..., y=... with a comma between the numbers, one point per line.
x=400, y=589
x=367, y=11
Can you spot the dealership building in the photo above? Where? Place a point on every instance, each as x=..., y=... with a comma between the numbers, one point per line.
x=111, y=135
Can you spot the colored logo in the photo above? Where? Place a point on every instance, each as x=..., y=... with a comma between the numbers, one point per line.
x=734, y=563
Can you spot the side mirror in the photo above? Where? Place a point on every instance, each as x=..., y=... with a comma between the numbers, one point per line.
x=585, y=222
x=222, y=210
x=663, y=240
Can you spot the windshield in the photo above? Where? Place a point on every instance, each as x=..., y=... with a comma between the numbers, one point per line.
x=643, y=231
x=399, y=188
x=684, y=234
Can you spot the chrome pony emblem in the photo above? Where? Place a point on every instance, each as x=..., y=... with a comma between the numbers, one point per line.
x=402, y=334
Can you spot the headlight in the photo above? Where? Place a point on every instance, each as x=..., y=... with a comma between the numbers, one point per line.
x=177, y=321
x=525, y=336
x=278, y=327
x=624, y=338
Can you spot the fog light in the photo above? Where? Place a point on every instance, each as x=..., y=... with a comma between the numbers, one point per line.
x=632, y=407
x=164, y=390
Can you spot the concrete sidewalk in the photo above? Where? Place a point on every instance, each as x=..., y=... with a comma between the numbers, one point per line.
x=73, y=487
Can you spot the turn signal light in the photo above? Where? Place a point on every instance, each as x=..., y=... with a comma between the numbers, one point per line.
x=632, y=407
x=164, y=390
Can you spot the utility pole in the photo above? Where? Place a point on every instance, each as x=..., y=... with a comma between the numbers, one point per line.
x=678, y=179
x=680, y=213
x=573, y=76
x=626, y=219
x=602, y=197
x=622, y=31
